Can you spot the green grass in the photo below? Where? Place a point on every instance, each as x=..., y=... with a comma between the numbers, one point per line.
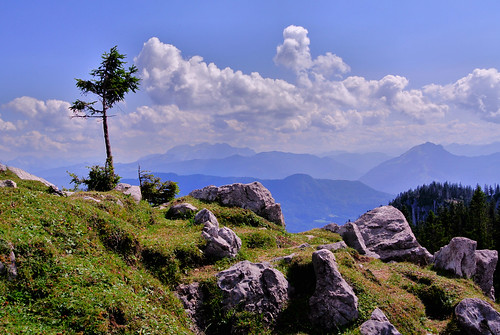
x=111, y=267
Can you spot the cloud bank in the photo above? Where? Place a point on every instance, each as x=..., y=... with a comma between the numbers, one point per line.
x=323, y=109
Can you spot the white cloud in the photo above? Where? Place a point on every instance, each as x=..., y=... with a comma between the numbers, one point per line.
x=45, y=128
x=294, y=53
x=478, y=92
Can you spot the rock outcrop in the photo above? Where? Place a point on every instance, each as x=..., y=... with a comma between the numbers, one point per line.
x=333, y=302
x=8, y=183
x=181, y=210
x=457, y=257
x=378, y=324
x=352, y=237
x=133, y=191
x=26, y=176
x=387, y=233
x=254, y=287
x=192, y=297
x=486, y=262
x=253, y=196
x=221, y=242
x=477, y=317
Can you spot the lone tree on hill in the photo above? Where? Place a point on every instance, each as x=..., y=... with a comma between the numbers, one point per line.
x=112, y=81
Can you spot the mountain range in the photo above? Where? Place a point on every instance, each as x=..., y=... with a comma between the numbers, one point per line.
x=306, y=202
x=313, y=189
x=429, y=162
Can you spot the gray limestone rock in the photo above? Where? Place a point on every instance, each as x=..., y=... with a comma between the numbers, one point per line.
x=378, y=325
x=192, y=296
x=387, y=233
x=457, y=257
x=28, y=176
x=8, y=183
x=205, y=216
x=333, y=227
x=352, y=237
x=181, y=210
x=221, y=242
x=486, y=263
x=253, y=196
x=255, y=287
x=12, y=267
x=133, y=191
x=332, y=246
x=333, y=302
x=477, y=317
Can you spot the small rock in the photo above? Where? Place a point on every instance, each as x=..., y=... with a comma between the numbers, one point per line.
x=8, y=183
x=12, y=268
x=205, y=216
x=477, y=317
x=333, y=246
x=333, y=302
x=287, y=259
x=221, y=242
x=181, y=210
x=255, y=287
x=457, y=257
x=91, y=199
x=378, y=324
x=486, y=263
x=333, y=227
x=133, y=191
x=304, y=246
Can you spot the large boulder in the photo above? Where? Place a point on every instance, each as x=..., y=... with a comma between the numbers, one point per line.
x=254, y=287
x=253, y=196
x=387, y=233
x=477, y=317
x=457, y=257
x=352, y=237
x=486, y=262
x=378, y=325
x=133, y=191
x=333, y=303
x=221, y=242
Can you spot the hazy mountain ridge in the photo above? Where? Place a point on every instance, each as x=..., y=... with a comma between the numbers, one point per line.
x=306, y=202
x=429, y=162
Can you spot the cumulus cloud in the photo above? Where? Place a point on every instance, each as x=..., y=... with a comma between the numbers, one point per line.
x=478, y=92
x=45, y=128
x=195, y=101
x=294, y=53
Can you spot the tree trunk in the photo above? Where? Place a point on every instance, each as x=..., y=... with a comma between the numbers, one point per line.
x=109, y=156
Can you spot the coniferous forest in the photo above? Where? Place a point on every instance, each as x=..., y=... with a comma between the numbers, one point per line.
x=438, y=212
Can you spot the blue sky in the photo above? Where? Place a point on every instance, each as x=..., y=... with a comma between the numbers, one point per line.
x=271, y=75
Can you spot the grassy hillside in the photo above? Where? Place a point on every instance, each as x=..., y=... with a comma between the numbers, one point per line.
x=111, y=267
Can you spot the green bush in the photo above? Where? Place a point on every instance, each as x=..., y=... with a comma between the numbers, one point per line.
x=155, y=191
x=100, y=179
